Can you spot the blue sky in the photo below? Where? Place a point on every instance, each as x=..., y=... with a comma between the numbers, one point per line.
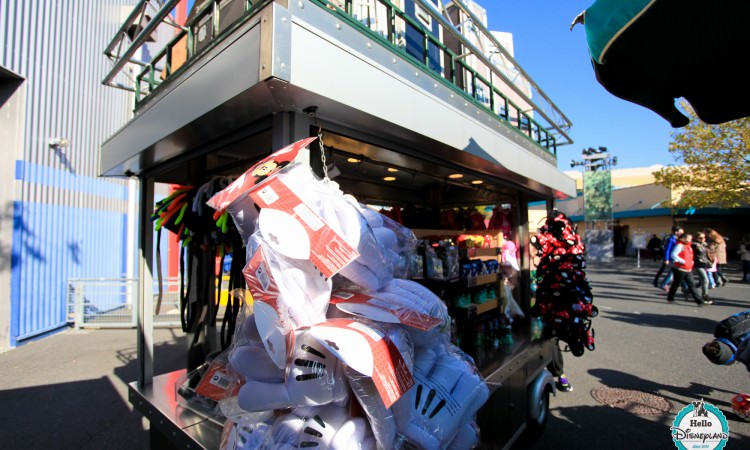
x=557, y=60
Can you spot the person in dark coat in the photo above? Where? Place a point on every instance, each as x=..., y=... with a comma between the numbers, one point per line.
x=654, y=247
x=702, y=262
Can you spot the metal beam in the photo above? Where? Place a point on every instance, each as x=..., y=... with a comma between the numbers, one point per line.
x=138, y=40
x=137, y=10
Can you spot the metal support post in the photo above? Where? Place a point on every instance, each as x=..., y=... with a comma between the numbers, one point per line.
x=145, y=326
x=78, y=307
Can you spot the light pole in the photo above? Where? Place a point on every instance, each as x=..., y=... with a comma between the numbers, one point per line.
x=597, y=164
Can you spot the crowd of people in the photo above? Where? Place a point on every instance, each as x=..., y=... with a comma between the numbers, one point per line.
x=696, y=263
x=693, y=262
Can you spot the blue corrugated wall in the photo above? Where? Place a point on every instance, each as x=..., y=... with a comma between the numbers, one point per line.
x=53, y=243
x=47, y=253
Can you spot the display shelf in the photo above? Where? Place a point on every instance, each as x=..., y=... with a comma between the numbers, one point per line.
x=475, y=309
x=426, y=232
x=481, y=280
x=489, y=305
x=497, y=364
x=474, y=252
x=448, y=288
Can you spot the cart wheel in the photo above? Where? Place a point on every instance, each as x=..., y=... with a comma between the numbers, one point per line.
x=535, y=425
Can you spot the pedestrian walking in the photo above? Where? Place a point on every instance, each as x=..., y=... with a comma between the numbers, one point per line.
x=654, y=247
x=712, y=275
x=702, y=263
x=677, y=231
x=744, y=253
x=682, y=267
x=717, y=249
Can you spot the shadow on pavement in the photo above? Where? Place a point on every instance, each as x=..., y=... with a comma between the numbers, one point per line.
x=614, y=378
x=168, y=357
x=672, y=321
x=605, y=427
x=675, y=395
x=601, y=427
x=86, y=414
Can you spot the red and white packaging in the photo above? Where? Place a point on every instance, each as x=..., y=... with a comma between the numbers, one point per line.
x=362, y=305
x=219, y=381
x=297, y=231
x=274, y=326
x=258, y=173
x=368, y=351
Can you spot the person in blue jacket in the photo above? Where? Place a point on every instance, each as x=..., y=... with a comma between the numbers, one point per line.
x=677, y=231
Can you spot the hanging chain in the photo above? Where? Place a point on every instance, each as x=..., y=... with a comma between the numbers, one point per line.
x=323, y=155
x=312, y=113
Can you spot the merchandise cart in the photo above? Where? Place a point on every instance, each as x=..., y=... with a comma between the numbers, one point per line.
x=408, y=111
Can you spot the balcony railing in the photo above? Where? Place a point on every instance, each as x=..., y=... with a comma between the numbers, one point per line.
x=447, y=44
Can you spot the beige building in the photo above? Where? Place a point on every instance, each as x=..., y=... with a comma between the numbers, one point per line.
x=638, y=212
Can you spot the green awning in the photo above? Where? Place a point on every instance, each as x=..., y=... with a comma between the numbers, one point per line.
x=605, y=20
x=654, y=52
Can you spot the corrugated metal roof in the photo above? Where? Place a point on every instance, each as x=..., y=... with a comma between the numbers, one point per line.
x=68, y=222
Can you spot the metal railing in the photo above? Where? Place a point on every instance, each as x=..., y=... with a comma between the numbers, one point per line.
x=113, y=303
x=465, y=55
x=486, y=77
x=206, y=25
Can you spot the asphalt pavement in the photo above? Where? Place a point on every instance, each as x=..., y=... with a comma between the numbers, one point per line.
x=69, y=389
x=647, y=365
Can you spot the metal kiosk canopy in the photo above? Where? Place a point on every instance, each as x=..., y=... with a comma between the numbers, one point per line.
x=259, y=85
x=382, y=94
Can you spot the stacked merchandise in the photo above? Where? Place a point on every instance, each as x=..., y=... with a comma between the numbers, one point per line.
x=338, y=349
x=437, y=259
x=563, y=296
x=205, y=236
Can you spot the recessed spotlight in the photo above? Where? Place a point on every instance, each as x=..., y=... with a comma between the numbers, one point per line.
x=477, y=181
x=389, y=178
x=455, y=176
x=392, y=170
x=353, y=160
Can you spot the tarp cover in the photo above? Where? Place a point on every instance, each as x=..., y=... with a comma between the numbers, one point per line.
x=654, y=52
x=606, y=19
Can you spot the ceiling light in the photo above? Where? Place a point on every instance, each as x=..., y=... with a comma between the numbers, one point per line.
x=353, y=160
x=455, y=176
x=389, y=178
x=477, y=182
x=392, y=170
